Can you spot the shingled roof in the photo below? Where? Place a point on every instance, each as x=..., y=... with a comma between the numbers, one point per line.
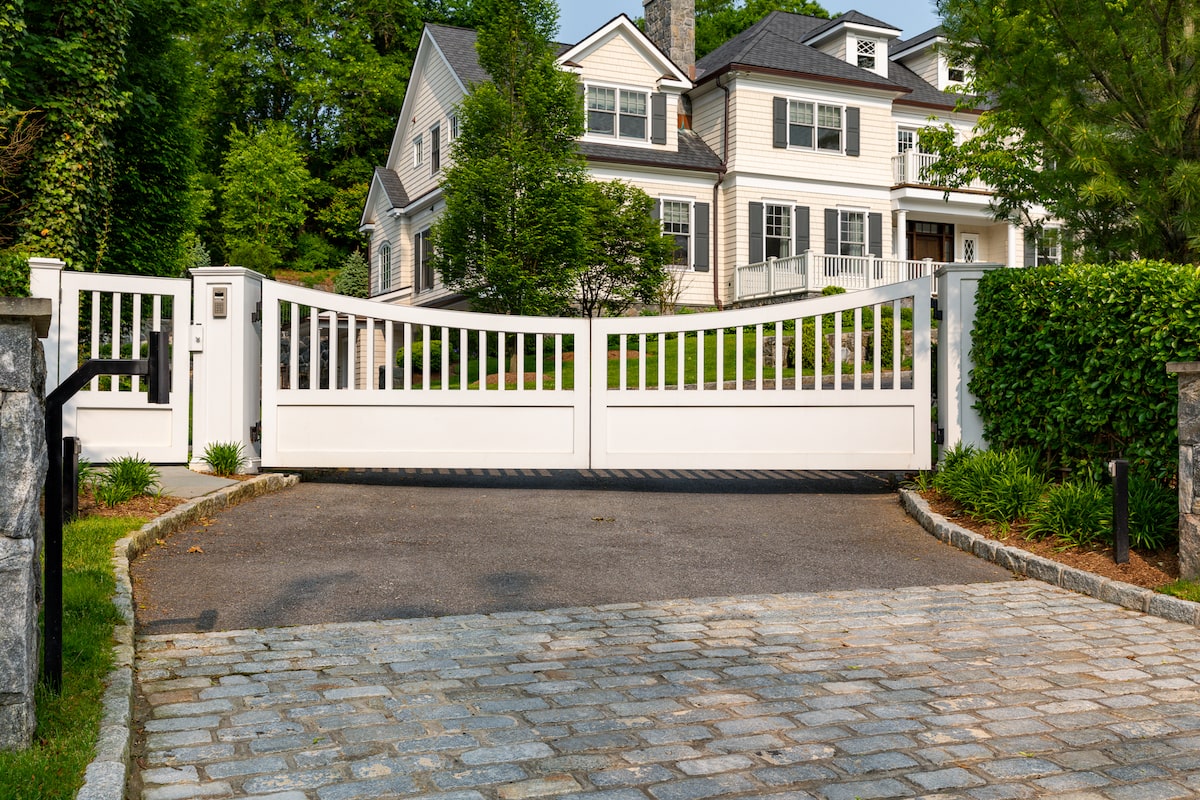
x=392, y=187
x=776, y=43
x=458, y=45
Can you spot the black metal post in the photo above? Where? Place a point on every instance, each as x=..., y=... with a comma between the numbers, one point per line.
x=153, y=368
x=1120, y=475
x=70, y=461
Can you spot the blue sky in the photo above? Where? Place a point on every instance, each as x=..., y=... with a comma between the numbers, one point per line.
x=578, y=18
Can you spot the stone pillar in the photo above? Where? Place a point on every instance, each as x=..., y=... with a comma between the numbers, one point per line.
x=22, y=474
x=1189, y=463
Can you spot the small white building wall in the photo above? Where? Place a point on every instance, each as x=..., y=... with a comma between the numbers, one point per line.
x=925, y=64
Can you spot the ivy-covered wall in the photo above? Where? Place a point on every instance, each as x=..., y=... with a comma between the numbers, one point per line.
x=1071, y=360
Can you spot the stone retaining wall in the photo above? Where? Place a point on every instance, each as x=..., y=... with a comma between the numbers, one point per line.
x=22, y=474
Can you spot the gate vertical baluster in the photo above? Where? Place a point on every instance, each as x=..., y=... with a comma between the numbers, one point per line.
x=294, y=346
x=501, y=361
x=897, y=344
x=135, y=338
x=408, y=356
x=426, y=358
x=538, y=346
x=700, y=360
x=818, y=352
x=662, y=361
x=779, y=365
x=334, y=339
x=642, y=361
x=464, y=369
x=558, y=362
x=758, y=357
x=681, y=360
x=114, y=349
x=314, y=349
x=95, y=343
x=445, y=359
x=719, y=334
x=352, y=361
x=622, y=363
x=837, y=351
x=482, y=360
x=519, y=357
x=877, y=373
x=856, y=348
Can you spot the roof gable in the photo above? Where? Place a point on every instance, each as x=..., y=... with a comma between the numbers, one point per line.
x=385, y=186
x=430, y=52
x=623, y=26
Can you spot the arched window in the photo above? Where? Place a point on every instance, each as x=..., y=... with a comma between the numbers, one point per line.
x=385, y=267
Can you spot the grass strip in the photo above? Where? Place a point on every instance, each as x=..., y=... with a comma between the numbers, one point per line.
x=68, y=724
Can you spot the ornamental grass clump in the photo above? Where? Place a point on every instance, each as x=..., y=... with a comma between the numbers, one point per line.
x=124, y=479
x=225, y=458
x=1078, y=513
x=999, y=486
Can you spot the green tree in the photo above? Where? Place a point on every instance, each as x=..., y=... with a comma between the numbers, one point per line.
x=718, y=21
x=625, y=250
x=354, y=279
x=265, y=189
x=1095, y=115
x=511, y=238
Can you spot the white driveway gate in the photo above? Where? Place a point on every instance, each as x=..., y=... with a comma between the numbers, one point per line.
x=311, y=379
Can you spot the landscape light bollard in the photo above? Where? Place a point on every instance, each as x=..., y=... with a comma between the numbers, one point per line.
x=1119, y=470
x=156, y=369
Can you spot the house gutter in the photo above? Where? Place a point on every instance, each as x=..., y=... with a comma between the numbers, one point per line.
x=724, y=84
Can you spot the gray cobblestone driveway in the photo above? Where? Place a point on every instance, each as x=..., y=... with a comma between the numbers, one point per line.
x=978, y=691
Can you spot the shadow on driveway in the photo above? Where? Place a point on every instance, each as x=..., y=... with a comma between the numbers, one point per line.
x=347, y=545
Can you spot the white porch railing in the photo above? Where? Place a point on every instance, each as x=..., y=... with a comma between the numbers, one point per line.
x=812, y=272
x=914, y=168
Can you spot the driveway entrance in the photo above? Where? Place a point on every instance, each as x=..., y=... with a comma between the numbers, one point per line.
x=388, y=545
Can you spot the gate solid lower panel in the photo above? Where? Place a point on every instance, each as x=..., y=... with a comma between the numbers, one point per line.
x=378, y=436
x=757, y=437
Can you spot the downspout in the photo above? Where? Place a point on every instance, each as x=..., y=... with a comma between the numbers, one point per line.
x=716, y=268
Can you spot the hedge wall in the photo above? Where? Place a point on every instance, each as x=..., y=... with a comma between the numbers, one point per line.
x=1071, y=360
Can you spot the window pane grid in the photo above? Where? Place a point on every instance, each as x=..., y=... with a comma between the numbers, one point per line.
x=677, y=222
x=852, y=227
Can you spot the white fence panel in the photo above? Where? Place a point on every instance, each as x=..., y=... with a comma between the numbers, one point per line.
x=804, y=385
x=349, y=382
x=111, y=316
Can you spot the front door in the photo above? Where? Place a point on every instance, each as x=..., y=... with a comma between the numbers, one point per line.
x=933, y=240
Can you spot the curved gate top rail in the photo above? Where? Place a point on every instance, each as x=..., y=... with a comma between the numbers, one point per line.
x=839, y=382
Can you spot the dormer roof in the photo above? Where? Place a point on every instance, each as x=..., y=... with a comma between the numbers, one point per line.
x=851, y=21
x=903, y=48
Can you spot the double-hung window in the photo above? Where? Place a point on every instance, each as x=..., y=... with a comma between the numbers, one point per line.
x=815, y=126
x=435, y=149
x=866, y=51
x=677, y=223
x=852, y=233
x=777, y=229
x=385, y=267
x=453, y=127
x=620, y=113
x=1049, y=246
x=418, y=151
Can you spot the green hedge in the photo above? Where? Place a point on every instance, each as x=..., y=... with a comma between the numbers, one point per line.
x=1071, y=361
x=14, y=274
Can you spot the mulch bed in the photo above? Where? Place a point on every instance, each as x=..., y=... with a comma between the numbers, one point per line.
x=1149, y=569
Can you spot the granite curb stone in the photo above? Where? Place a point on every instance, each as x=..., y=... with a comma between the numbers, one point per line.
x=105, y=777
x=1022, y=562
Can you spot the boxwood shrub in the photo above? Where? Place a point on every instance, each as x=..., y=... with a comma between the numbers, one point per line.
x=1071, y=361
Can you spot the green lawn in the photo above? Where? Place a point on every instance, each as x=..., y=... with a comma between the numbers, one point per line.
x=632, y=359
x=68, y=724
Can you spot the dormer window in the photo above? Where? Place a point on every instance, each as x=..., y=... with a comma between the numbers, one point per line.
x=619, y=113
x=956, y=73
x=867, y=55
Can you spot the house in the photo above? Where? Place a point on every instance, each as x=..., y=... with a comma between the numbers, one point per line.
x=790, y=151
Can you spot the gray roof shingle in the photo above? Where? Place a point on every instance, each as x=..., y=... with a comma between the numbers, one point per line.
x=458, y=45
x=392, y=186
x=693, y=154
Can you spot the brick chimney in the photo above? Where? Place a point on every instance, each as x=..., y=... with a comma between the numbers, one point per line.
x=671, y=24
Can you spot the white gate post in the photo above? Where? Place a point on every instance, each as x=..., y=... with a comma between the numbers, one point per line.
x=958, y=421
x=45, y=281
x=226, y=343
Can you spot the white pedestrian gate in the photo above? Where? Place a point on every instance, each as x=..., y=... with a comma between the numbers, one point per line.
x=99, y=315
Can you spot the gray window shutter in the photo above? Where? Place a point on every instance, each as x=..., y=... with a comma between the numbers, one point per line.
x=700, y=240
x=658, y=118
x=852, y=128
x=803, y=240
x=781, y=121
x=756, y=233
x=831, y=231
x=656, y=212
x=417, y=287
x=875, y=235
x=1030, y=248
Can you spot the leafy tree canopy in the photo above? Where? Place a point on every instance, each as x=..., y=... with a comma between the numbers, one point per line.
x=510, y=238
x=718, y=21
x=625, y=250
x=1096, y=116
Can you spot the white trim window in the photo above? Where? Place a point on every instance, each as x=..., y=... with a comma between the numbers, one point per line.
x=618, y=113
x=816, y=126
x=677, y=223
x=1049, y=245
x=777, y=230
x=852, y=232
x=867, y=51
x=435, y=149
x=910, y=139
x=453, y=120
x=418, y=150
x=385, y=266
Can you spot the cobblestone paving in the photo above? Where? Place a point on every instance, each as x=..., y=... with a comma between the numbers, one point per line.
x=981, y=691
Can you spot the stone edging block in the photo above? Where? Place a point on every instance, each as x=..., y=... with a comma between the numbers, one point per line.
x=1021, y=562
x=106, y=776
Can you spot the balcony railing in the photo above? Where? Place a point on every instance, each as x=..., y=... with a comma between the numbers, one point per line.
x=812, y=272
x=913, y=167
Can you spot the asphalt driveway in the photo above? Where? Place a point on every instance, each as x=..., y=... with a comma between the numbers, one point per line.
x=366, y=546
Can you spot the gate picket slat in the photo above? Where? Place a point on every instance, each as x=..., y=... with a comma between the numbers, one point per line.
x=856, y=349
x=445, y=359
x=334, y=338
x=662, y=361
x=818, y=352
x=114, y=346
x=896, y=345
x=294, y=349
x=464, y=377
x=369, y=352
x=837, y=351
x=641, y=361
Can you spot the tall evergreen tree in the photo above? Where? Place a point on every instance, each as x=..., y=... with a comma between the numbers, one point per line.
x=511, y=237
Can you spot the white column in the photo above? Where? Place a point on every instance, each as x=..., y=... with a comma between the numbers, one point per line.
x=226, y=344
x=1016, y=246
x=902, y=235
x=45, y=281
x=957, y=417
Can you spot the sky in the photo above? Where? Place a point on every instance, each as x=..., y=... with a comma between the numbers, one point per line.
x=578, y=18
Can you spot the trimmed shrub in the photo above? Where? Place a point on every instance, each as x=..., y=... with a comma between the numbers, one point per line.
x=1071, y=360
